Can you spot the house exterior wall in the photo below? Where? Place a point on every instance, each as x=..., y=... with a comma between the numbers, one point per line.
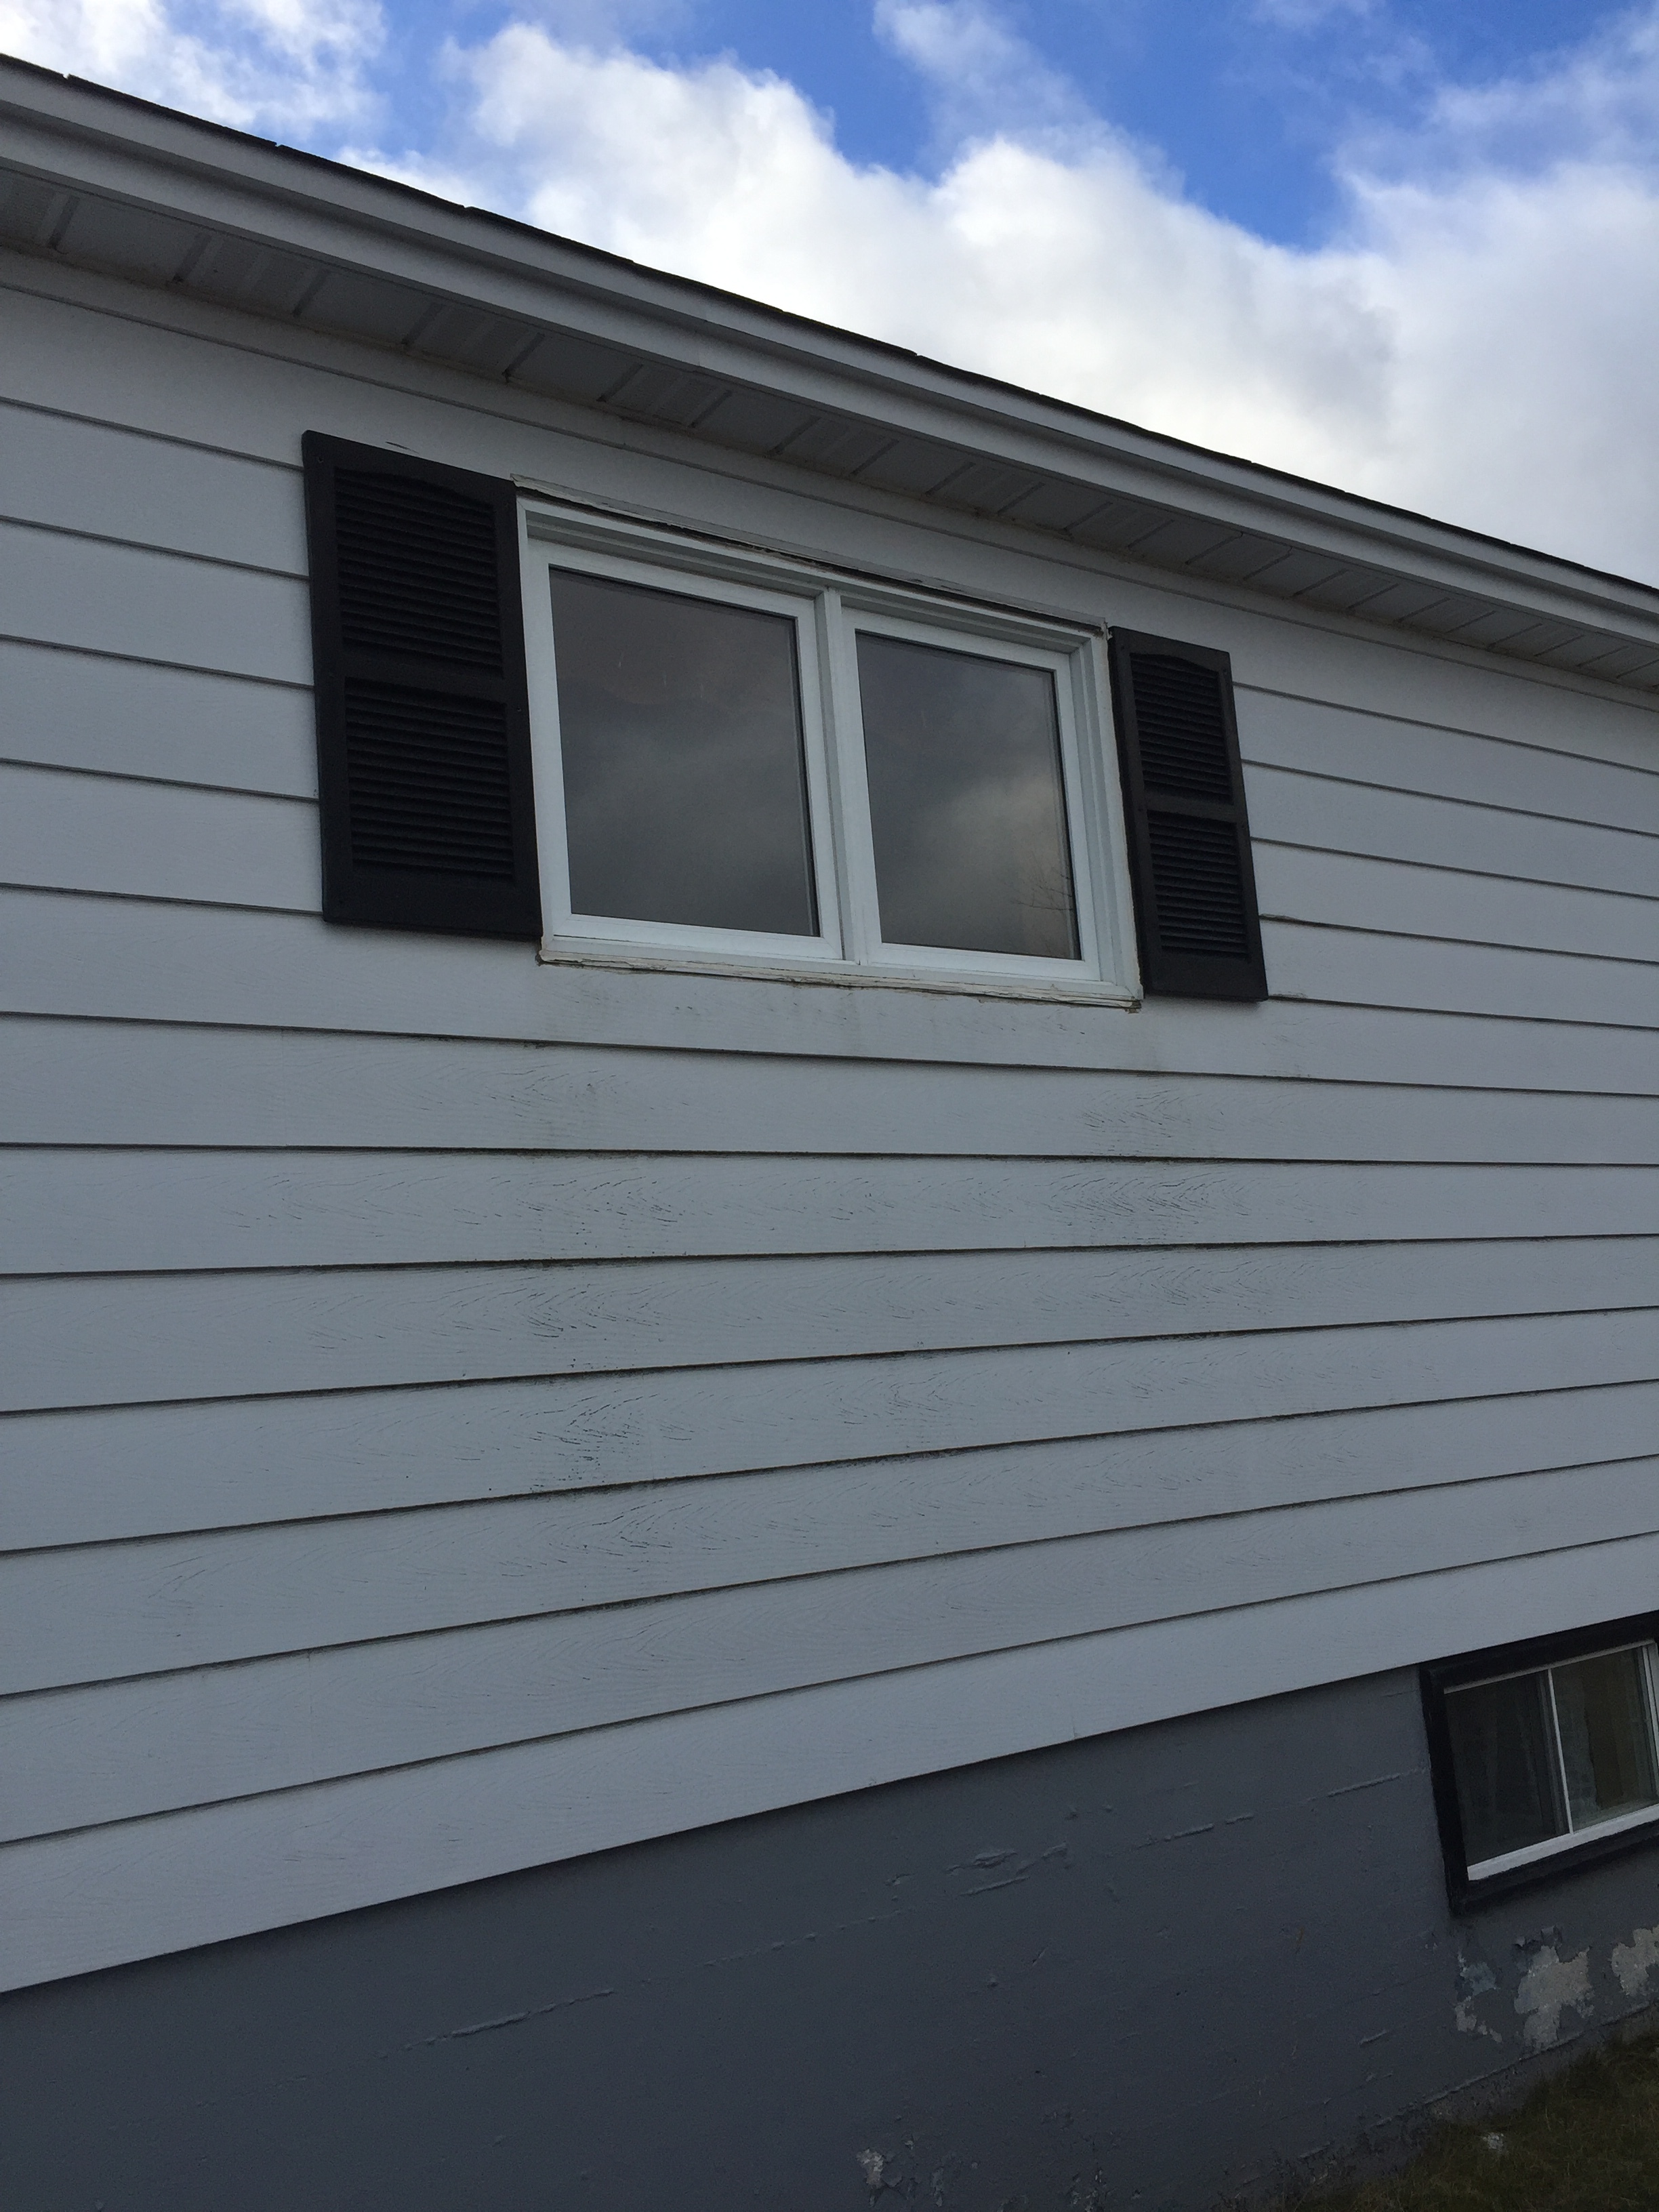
x=463, y=1414
x=1144, y=1969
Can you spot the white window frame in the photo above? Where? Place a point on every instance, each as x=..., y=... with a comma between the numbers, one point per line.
x=1530, y=1854
x=828, y=609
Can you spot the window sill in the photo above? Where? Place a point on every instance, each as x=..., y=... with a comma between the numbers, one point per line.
x=840, y=976
x=1558, y=1861
x=1541, y=1856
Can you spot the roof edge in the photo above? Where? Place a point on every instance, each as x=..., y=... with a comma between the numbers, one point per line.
x=363, y=213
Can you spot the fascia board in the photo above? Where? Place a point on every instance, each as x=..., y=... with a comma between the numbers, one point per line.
x=80, y=139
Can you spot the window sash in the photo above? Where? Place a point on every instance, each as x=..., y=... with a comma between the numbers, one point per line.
x=1571, y=1836
x=828, y=611
x=563, y=922
x=1088, y=869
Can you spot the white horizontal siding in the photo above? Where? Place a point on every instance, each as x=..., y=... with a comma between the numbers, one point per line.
x=157, y=1744
x=105, y=480
x=1362, y=968
x=1299, y=1408
x=204, y=1602
x=1343, y=892
x=125, y=1339
x=1552, y=780
x=206, y=1087
x=73, y=831
x=127, y=717
x=135, y=961
x=66, y=589
x=99, y=832
x=68, y=1210
x=84, y=593
x=1290, y=808
x=467, y=1412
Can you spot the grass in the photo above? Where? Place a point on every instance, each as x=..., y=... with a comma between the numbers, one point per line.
x=1586, y=2141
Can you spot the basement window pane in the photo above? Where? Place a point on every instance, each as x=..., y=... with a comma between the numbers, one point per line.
x=1606, y=1743
x=967, y=800
x=1504, y=1755
x=684, y=767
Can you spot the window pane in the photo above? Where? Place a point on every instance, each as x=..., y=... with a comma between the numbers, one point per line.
x=684, y=771
x=1504, y=1756
x=1606, y=1745
x=967, y=801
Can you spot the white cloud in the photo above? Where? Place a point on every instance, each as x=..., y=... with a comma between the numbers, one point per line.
x=983, y=80
x=1597, y=102
x=293, y=65
x=1479, y=346
x=603, y=25
x=1073, y=272
x=1525, y=317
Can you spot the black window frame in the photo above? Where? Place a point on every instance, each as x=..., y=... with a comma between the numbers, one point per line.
x=1439, y=1677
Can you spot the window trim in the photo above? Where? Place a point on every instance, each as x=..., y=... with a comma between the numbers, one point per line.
x=1468, y=1889
x=829, y=607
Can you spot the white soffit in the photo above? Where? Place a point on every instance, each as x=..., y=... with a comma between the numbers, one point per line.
x=93, y=178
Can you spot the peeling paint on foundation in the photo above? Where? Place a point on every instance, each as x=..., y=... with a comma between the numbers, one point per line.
x=1476, y=1976
x=1549, y=1987
x=1634, y=1961
x=1478, y=1980
x=1464, y=2013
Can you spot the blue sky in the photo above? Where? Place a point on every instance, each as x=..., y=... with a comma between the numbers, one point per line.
x=1409, y=249
x=1249, y=103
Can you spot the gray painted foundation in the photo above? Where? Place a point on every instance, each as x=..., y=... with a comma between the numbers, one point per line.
x=1147, y=1969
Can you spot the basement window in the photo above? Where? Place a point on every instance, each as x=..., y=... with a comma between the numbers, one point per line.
x=1544, y=1753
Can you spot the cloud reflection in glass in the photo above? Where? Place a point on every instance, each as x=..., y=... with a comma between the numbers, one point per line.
x=967, y=800
x=685, y=775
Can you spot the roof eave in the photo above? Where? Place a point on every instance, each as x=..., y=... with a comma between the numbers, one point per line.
x=897, y=420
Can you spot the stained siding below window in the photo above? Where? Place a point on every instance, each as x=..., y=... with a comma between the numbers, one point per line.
x=162, y=999
x=466, y=1413
x=68, y=1210
x=134, y=1339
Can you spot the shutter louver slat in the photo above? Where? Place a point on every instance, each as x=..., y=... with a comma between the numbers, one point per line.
x=1189, y=839
x=422, y=718
x=417, y=575
x=428, y=791
x=1184, y=740
x=1201, y=905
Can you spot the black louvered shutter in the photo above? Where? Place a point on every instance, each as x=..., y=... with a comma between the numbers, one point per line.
x=422, y=720
x=1189, y=837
